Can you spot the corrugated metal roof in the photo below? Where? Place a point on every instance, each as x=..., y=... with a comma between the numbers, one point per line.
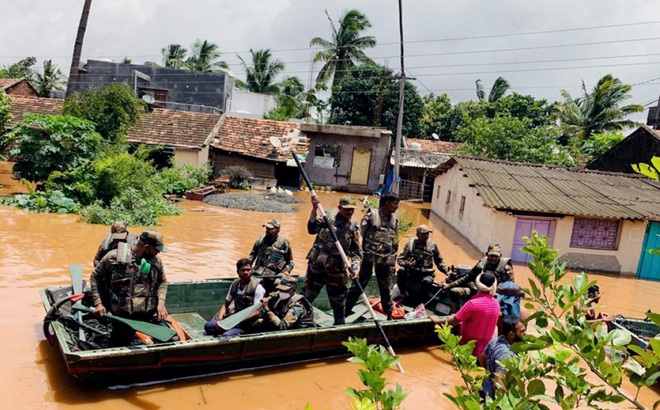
x=422, y=159
x=560, y=191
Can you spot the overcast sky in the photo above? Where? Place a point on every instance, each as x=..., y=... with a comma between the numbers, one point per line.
x=437, y=51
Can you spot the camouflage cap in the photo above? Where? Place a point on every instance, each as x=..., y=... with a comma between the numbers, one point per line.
x=118, y=227
x=494, y=249
x=348, y=202
x=153, y=238
x=272, y=223
x=286, y=283
x=423, y=228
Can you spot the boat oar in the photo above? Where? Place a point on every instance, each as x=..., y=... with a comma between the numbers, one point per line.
x=278, y=143
x=238, y=317
x=157, y=332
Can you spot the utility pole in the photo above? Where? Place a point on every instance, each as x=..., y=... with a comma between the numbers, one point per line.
x=399, y=123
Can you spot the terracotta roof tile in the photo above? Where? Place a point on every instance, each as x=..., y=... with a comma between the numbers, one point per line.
x=434, y=146
x=251, y=137
x=560, y=191
x=173, y=128
x=6, y=82
x=23, y=105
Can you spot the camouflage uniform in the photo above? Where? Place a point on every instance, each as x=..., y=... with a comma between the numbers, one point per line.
x=271, y=258
x=326, y=267
x=110, y=242
x=415, y=281
x=380, y=244
x=465, y=286
x=293, y=313
x=119, y=285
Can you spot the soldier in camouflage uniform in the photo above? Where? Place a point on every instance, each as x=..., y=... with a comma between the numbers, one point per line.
x=380, y=245
x=326, y=266
x=415, y=277
x=118, y=233
x=131, y=283
x=284, y=309
x=271, y=255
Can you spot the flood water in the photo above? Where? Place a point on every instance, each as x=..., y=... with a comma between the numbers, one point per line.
x=205, y=242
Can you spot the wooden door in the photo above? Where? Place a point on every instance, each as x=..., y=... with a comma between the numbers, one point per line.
x=524, y=227
x=649, y=264
x=360, y=166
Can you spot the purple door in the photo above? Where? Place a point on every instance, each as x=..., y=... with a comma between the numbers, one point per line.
x=524, y=227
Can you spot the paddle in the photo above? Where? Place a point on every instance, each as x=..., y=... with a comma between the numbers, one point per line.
x=278, y=143
x=75, y=271
x=157, y=332
x=238, y=317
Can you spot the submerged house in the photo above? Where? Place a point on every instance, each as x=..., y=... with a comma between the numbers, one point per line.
x=420, y=160
x=600, y=221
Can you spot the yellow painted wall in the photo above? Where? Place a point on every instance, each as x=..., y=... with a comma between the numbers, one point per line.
x=197, y=158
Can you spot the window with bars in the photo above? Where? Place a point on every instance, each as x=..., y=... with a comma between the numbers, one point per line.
x=448, y=197
x=462, y=208
x=595, y=233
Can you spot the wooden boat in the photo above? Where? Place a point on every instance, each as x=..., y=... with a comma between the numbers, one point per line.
x=641, y=330
x=191, y=304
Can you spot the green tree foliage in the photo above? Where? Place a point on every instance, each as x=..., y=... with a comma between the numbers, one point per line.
x=511, y=139
x=375, y=359
x=436, y=113
x=174, y=56
x=113, y=109
x=500, y=87
x=5, y=113
x=345, y=49
x=598, y=144
x=46, y=143
x=522, y=107
x=598, y=111
x=357, y=97
x=261, y=72
x=50, y=78
x=21, y=69
x=548, y=368
x=205, y=56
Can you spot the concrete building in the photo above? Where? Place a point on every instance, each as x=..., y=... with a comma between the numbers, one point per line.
x=598, y=221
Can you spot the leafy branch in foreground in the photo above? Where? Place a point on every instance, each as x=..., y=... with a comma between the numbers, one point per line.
x=549, y=368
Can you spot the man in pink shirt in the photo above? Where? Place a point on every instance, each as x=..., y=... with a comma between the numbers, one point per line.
x=478, y=317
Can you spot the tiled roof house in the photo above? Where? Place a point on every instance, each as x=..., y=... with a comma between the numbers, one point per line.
x=17, y=87
x=597, y=220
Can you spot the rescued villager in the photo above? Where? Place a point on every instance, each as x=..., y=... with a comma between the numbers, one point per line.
x=271, y=255
x=499, y=350
x=118, y=233
x=131, y=283
x=415, y=275
x=478, y=317
x=284, y=309
x=593, y=293
x=326, y=266
x=243, y=292
x=380, y=245
x=464, y=287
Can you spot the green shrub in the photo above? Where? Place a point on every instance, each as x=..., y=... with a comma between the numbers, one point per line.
x=43, y=201
x=177, y=180
x=239, y=176
x=131, y=207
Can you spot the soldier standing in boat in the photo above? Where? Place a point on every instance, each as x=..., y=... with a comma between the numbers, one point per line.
x=271, y=255
x=415, y=276
x=131, y=283
x=380, y=245
x=118, y=233
x=326, y=266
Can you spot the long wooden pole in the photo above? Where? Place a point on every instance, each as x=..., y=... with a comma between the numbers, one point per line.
x=399, y=121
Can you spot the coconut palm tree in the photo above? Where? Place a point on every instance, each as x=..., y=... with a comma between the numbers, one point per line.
x=260, y=75
x=204, y=56
x=51, y=78
x=500, y=87
x=174, y=56
x=345, y=49
x=77, y=48
x=597, y=111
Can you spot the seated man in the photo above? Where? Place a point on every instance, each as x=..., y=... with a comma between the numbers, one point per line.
x=497, y=350
x=415, y=277
x=478, y=317
x=591, y=315
x=284, y=309
x=243, y=293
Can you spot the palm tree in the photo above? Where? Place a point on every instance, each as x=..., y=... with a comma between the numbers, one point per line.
x=260, y=75
x=77, y=48
x=204, y=57
x=345, y=49
x=500, y=87
x=597, y=111
x=50, y=79
x=174, y=56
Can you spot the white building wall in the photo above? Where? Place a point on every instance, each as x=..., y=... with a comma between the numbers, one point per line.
x=255, y=104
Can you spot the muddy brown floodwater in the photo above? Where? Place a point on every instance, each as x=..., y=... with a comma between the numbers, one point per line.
x=205, y=242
